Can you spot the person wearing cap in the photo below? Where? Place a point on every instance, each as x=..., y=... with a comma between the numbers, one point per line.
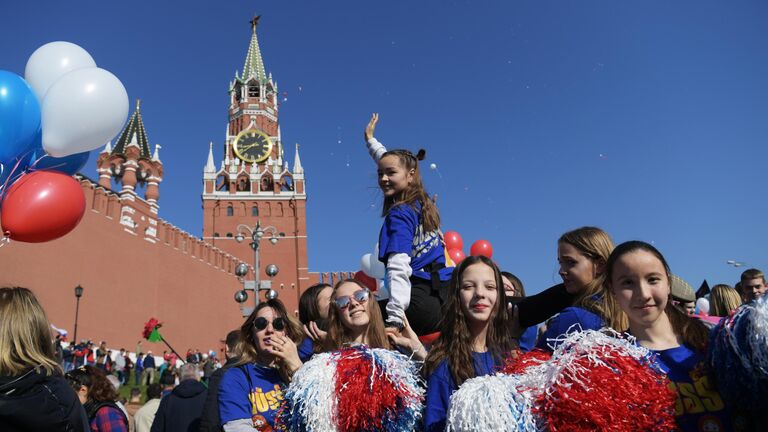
x=682, y=295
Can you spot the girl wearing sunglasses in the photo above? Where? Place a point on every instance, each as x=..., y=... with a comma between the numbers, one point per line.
x=251, y=392
x=355, y=318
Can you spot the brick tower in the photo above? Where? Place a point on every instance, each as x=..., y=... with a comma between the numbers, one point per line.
x=254, y=184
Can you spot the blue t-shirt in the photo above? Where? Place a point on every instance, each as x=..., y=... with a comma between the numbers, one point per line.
x=560, y=325
x=440, y=387
x=239, y=399
x=306, y=349
x=528, y=339
x=402, y=233
x=699, y=407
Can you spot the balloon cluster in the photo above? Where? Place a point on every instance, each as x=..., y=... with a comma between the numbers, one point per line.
x=64, y=107
x=454, y=247
x=738, y=354
x=353, y=389
x=594, y=380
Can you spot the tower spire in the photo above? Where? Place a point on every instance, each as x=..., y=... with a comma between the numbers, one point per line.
x=297, y=168
x=254, y=65
x=210, y=167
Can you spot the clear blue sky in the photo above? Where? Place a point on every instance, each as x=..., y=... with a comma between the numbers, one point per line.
x=649, y=119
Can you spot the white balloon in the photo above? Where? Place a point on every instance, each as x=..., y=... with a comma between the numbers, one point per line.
x=83, y=110
x=702, y=305
x=378, y=270
x=433, y=166
x=52, y=61
x=365, y=264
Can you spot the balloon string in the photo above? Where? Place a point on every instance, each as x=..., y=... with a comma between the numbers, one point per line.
x=4, y=186
x=6, y=239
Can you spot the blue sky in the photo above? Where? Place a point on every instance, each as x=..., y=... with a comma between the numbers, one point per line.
x=647, y=119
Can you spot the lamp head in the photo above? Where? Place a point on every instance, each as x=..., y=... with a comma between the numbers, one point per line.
x=241, y=296
x=78, y=291
x=271, y=294
x=272, y=270
x=241, y=270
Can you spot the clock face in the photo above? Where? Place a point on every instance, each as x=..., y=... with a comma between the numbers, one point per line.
x=252, y=146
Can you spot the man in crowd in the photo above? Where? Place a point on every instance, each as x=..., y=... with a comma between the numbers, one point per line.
x=133, y=405
x=148, y=374
x=118, y=365
x=683, y=295
x=752, y=284
x=211, y=421
x=181, y=409
x=144, y=417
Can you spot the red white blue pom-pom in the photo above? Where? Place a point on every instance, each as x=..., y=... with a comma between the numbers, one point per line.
x=738, y=355
x=353, y=389
x=490, y=403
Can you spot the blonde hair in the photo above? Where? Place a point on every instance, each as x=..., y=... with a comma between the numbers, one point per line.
x=596, y=244
x=722, y=300
x=25, y=334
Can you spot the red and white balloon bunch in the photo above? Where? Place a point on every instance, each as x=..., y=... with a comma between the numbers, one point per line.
x=64, y=107
x=454, y=246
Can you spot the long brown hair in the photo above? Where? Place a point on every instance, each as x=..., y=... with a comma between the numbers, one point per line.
x=692, y=331
x=414, y=192
x=338, y=335
x=25, y=334
x=596, y=244
x=246, y=346
x=455, y=343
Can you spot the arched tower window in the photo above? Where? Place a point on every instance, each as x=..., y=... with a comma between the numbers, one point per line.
x=229, y=235
x=243, y=184
x=230, y=210
x=254, y=211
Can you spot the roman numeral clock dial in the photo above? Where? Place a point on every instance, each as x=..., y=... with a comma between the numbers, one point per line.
x=252, y=146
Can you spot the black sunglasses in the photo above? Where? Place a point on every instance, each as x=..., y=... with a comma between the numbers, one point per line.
x=360, y=296
x=261, y=323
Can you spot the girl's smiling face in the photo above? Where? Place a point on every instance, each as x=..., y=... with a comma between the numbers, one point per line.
x=640, y=284
x=478, y=293
x=355, y=315
x=393, y=176
x=576, y=269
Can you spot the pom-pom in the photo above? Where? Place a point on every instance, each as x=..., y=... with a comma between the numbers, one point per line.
x=599, y=381
x=520, y=362
x=738, y=355
x=150, y=331
x=490, y=403
x=353, y=389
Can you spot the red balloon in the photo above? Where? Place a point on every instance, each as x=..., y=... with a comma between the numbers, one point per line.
x=481, y=247
x=41, y=206
x=453, y=240
x=366, y=280
x=457, y=255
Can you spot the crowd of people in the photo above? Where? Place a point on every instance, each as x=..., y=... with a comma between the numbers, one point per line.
x=456, y=321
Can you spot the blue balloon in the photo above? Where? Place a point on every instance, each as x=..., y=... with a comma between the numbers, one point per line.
x=19, y=118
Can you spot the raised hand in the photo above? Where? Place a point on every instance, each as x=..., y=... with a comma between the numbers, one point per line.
x=286, y=351
x=371, y=126
x=313, y=332
x=407, y=339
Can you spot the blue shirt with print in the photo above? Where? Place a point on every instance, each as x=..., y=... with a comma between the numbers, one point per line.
x=241, y=399
x=562, y=324
x=402, y=232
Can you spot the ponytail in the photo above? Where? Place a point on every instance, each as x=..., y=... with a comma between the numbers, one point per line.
x=430, y=217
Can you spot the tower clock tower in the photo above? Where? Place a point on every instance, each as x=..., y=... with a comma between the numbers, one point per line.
x=253, y=183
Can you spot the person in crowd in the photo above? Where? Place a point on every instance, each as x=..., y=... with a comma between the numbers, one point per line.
x=118, y=365
x=132, y=406
x=69, y=357
x=250, y=392
x=210, y=420
x=182, y=408
x=682, y=295
x=145, y=416
x=138, y=372
x=168, y=381
x=148, y=366
x=513, y=287
x=313, y=310
x=90, y=354
x=638, y=277
x=411, y=248
x=474, y=338
x=80, y=353
x=582, y=254
x=99, y=398
x=33, y=394
x=127, y=368
x=723, y=300
x=355, y=319
x=753, y=284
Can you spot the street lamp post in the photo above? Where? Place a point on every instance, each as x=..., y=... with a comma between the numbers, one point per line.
x=256, y=233
x=78, y=294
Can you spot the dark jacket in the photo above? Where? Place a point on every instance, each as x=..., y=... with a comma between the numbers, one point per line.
x=36, y=402
x=180, y=411
x=211, y=421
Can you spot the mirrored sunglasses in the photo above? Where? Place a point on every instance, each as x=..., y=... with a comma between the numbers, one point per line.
x=261, y=323
x=360, y=296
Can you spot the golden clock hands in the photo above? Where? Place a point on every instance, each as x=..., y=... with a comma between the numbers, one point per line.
x=242, y=149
